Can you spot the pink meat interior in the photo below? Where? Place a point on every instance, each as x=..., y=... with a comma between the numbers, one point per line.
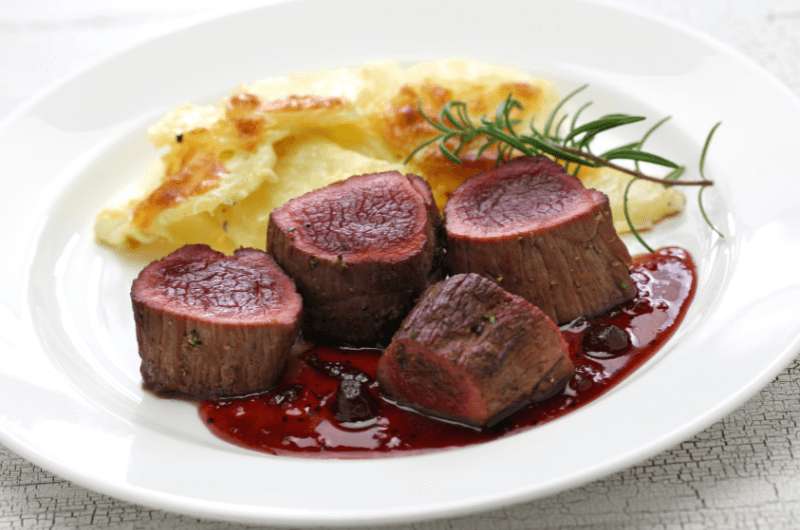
x=198, y=282
x=523, y=196
x=382, y=214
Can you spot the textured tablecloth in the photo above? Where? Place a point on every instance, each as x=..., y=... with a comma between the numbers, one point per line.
x=743, y=472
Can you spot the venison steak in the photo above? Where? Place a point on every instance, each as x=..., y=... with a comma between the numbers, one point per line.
x=474, y=353
x=539, y=233
x=210, y=325
x=361, y=250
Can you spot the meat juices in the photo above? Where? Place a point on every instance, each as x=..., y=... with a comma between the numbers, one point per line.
x=540, y=234
x=210, y=325
x=471, y=352
x=361, y=250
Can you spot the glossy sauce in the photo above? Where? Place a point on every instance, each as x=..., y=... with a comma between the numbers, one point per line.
x=298, y=416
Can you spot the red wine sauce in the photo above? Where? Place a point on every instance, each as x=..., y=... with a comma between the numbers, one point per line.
x=298, y=416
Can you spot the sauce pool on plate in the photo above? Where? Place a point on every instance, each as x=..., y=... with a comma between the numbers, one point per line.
x=298, y=417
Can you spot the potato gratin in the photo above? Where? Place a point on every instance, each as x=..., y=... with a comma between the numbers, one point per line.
x=226, y=166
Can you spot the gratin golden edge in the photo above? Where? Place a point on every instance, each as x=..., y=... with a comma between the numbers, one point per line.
x=224, y=167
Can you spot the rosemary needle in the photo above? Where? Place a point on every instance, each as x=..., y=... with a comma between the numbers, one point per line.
x=702, y=164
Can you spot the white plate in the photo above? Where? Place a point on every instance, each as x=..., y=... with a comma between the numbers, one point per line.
x=69, y=388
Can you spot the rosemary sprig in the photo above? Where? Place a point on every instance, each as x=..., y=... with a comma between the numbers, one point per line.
x=676, y=173
x=559, y=106
x=456, y=131
x=631, y=225
x=703, y=174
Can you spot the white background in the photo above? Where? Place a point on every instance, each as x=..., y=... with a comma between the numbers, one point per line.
x=743, y=472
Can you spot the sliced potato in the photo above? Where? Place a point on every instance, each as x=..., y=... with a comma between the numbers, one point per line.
x=648, y=202
x=225, y=166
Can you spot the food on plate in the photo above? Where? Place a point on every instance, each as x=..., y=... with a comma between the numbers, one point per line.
x=299, y=416
x=211, y=325
x=225, y=166
x=353, y=401
x=540, y=234
x=361, y=250
x=469, y=353
x=345, y=173
x=473, y=353
x=606, y=340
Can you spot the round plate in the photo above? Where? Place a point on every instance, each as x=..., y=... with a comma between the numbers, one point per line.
x=70, y=396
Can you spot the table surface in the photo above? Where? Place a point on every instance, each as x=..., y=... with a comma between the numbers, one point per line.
x=742, y=472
